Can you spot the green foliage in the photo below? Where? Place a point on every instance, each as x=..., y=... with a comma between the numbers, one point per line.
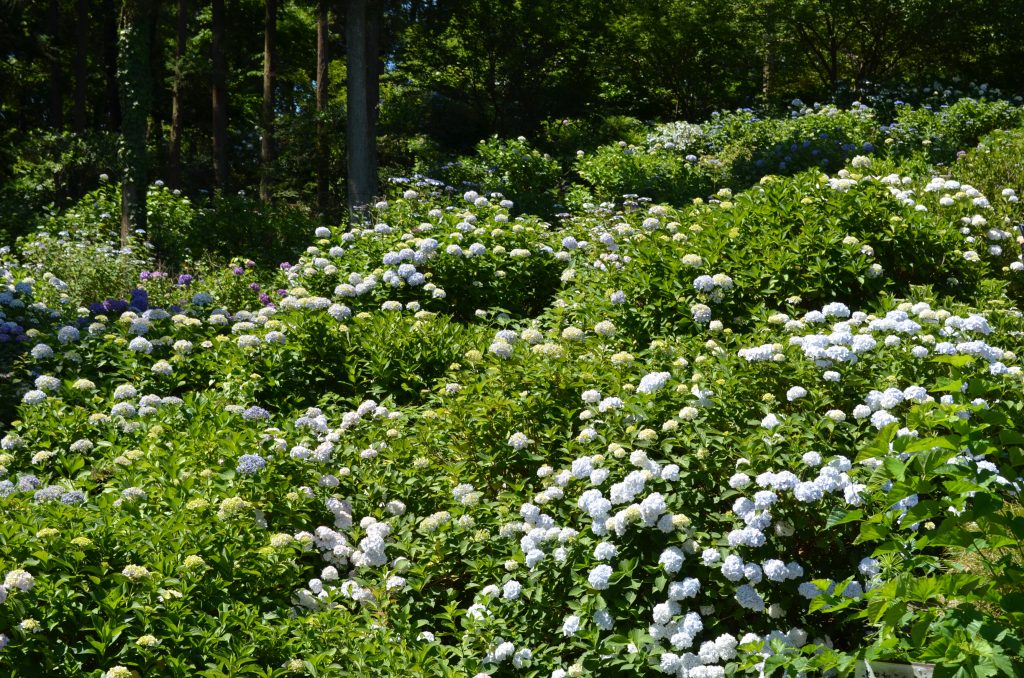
x=994, y=164
x=239, y=225
x=565, y=137
x=664, y=176
x=451, y=440
x=508, y=166
x=45, y=169
x=941, y=134
x=681, y=161
x=950, y=566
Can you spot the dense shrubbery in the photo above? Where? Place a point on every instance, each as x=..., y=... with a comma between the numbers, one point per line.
x=771, y=427
x=42, y=169
x=947, y=130
x=530, y=178
x=681, y=161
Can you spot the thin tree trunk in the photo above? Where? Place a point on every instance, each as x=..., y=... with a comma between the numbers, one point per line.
x=833, y=55
x=155, y=130
x=361, y=173
x=766, y=67
x=269, y=75
x=220, y=103
x=177, y=123
x=110, y=42
x=323, y=163
x=374, y=10
x=56, y=94
x=133, y=64
x=81, y=65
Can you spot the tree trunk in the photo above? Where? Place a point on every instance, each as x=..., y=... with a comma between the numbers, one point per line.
x=133, y=65
x=833, y=55
x=269, y=75
x=177, y=123
x=220, y=103
x=56, y=94
x=374, y=66
x=361, y=171
x=323, y=162
x=110, y=42
x=766, y=67
x=81, y=65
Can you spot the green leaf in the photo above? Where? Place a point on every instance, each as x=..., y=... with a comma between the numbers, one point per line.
x=954, y=360
x=1013, y=602
x=872, y=532
x=1010, y=437
x=922, y=511
x=839, y=516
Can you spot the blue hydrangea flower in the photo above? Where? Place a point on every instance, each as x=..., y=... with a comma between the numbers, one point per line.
x=73, y=497
x=251, y=464
x=255, y=412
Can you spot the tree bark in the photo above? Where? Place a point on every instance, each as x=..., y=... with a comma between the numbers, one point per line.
x=81, y=65
x=134, y=68
x=269, y=76
x=220, y=103
x=177, y=122
x=361, y=171
x=323, y=163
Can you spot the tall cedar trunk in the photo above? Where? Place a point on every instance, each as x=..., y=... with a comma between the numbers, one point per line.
x=56, y=94
x=220, y=99
x=81, y=65
x=362, y=37
x=133, y=68
x=269, y=75
x=361, y=173
x=110, y=21
x=177, y=122
x=323, y=162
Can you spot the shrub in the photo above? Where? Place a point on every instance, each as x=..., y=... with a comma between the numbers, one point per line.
x=511, y=167
x=732, y=436
x=942, y=133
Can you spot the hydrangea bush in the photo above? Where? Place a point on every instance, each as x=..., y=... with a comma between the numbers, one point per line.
x=774, y=429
